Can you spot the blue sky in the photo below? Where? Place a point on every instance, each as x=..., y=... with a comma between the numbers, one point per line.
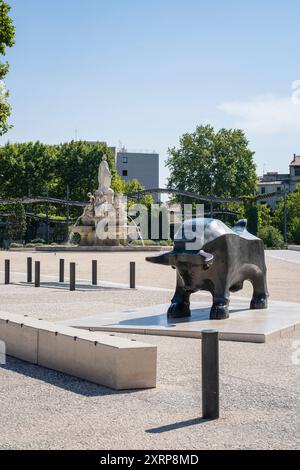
x=144, y=72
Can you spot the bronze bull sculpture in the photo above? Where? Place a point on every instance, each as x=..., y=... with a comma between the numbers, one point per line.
x=227, y=257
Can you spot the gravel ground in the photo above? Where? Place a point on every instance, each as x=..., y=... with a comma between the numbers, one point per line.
x=260, y=404
x=44, y=409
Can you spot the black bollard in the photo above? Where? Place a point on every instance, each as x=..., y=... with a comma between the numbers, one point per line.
x=94, y=272
x=29, y=269
x=210, y=374
x=61, y=270
x=132, y=275
x=37, y=274
x=72, y=276
x=7, y=271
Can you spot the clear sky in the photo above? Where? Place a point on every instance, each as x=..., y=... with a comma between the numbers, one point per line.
x=143, y=72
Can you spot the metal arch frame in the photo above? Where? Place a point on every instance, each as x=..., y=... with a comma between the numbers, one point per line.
x=208, y=198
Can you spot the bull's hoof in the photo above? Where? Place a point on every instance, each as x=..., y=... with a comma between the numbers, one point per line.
x=259, y=302
x=219, y=312
x=179, y=310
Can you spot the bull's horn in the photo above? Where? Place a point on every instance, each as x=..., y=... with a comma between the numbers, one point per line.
x=207, y=257
x=161, y=259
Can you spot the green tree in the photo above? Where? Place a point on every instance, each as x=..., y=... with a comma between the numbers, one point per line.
x=28, y=169
x=16, y=227
x=265, y=216
x=77, y=167
x=209, y=162
x=7, y=35
x=295, y=231
x=271, y=237
x=121, y=186
x=37, y=169
x=293, y=211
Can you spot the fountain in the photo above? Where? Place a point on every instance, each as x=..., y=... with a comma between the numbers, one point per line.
x=104, y=219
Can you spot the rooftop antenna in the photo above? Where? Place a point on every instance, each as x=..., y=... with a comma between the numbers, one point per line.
x=264, y=168
x=120, y=145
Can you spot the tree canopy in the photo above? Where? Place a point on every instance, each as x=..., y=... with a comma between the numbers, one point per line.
x=210, y=162
x=293, y=216
x=34, y=169
x=37, y=169
x=7, y=35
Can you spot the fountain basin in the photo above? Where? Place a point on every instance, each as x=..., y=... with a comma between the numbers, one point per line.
x=88, y=237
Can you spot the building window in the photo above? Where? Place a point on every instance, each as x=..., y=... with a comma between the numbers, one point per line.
x=263, y=190
x=124, y=159
x=297, y=171
x=278, y=189
x=124, y=173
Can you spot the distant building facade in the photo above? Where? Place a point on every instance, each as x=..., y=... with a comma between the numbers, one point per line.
x=141, y=166
x=280, y=182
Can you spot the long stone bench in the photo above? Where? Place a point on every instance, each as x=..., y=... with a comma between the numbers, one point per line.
x=115, y=362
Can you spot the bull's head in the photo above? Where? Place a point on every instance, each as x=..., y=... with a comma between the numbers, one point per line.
x=174, y=257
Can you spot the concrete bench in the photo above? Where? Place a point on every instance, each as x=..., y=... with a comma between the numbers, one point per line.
x=115, y=362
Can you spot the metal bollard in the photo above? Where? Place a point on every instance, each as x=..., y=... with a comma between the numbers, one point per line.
x=7, y=271
x=210, y=374
x=72, y=276
x=132, y=275
x=61, y=270
x=29, y=269
x=37, y=274
x=94, y=272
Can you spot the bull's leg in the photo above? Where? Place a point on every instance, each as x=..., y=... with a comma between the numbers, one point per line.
x=180, y=303
x=221, y=297
x=260, y=291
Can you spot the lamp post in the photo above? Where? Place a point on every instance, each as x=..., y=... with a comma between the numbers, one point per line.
x=68, y=211
x=211, y=194
x=47, y=215
x=284, y=214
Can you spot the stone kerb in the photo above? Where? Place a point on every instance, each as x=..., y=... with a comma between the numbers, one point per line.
x=115, y=362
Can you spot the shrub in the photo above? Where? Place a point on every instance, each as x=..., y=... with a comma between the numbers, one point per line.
x=33, y=245
x=139, y=242
x=16, y=245
x=295, y=231
x=271, y=237
x=146, y=243
x=38, y=240
x=166, y=243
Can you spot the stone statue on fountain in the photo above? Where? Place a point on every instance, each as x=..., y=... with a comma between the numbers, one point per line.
x=104, y=175
x=88, y=215
x=104, y=196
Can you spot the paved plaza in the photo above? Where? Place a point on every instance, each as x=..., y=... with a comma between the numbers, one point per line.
x=45, y=409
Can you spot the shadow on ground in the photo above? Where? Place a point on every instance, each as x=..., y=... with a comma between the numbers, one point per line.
x=198, y=314
x=58, y=379
x=179, y=425
x=66, y=286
